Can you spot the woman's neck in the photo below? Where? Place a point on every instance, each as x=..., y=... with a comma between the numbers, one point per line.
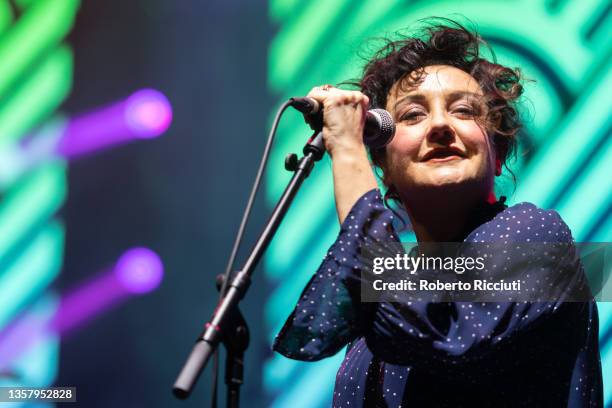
x=439, y=220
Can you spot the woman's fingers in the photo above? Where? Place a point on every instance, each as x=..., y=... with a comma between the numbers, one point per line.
x=332, y=96
x=321, y=93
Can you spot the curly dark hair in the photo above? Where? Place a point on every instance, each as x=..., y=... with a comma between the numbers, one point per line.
x=446, y=42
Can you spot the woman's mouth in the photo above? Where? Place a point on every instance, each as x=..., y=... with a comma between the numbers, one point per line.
x=444, y=159
x=443, y=155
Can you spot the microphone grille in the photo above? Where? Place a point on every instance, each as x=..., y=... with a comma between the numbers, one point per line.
x=386, y=129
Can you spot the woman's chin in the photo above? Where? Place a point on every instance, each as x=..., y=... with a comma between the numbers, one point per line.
x=447, y=179
x=451, y=183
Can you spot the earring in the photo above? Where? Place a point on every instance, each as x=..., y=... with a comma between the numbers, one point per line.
x=498, y=167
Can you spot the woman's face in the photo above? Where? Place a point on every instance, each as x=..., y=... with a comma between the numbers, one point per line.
x=439, y=144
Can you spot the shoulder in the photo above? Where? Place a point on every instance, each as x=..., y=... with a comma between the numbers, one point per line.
x=368, y=207
x=524, y=222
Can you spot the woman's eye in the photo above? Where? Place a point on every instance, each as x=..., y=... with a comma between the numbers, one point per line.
x=412, y=115
x=465, y=111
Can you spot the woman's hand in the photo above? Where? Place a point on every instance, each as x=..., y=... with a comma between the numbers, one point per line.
x=343, y=120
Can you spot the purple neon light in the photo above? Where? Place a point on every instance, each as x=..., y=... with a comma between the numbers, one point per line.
x=145, y=114
x=148, y=113
x=87, y=301
x=138, y=271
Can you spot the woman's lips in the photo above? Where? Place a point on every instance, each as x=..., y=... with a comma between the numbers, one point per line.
x=444, y=159
x=443, y=154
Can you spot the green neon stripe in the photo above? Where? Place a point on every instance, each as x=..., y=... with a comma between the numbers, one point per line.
x=555, y=160
x=6, y=15
x=407, y=236
x=286, y=295
x=15, y=161
x=36, y=368
x=309, y=209
x=277, y=370
x=606, y=368
x=604, y=233
x=578, y=16
x=541, y=108
x=23, y=3
x=340, y=53
x=292, y=46
x=43, y=92
x=40, y=27
x=585, y=202
x=287, y=142
x=519, y=19
x=370, y=13
x=601, y=38
x=282, y=9
x=38, y=365
x=315, y=376
x=605, y=317
x=599, y=45
x=30, y=202
x=32, y=272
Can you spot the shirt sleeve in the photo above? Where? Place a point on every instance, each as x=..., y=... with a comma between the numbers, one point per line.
x=328, y=314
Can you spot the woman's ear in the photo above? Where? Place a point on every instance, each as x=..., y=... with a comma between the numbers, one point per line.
x=499, y=151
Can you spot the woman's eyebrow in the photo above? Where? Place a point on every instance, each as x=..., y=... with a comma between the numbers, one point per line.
x=416, y=97
x=453, y=96
x=421, y=98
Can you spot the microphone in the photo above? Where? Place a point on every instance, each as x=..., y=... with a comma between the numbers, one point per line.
x=378, y=130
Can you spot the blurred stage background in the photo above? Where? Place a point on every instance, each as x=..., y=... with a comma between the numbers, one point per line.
x=108, y=249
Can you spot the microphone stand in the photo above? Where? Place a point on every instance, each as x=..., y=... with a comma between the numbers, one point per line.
x=226, y=322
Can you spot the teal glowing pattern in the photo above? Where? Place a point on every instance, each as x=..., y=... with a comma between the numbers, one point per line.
x=35, y=78
x=566, y=157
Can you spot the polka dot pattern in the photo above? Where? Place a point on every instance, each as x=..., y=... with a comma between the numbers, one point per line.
x=405, y=354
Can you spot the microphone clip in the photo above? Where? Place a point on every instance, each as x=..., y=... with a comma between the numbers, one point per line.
x=311, y=109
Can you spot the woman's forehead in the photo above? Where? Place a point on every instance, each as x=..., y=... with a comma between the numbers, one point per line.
x=435, y=80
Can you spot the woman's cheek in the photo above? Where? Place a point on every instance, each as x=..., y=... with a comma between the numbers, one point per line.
x=473, y=132
x=404, y=143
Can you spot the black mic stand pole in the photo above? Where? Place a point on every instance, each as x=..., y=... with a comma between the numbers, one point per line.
x=224, y=321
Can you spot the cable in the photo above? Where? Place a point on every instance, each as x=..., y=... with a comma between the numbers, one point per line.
x=247, y=211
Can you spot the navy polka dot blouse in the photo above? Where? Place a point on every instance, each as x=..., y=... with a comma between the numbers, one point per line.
x=445, y=354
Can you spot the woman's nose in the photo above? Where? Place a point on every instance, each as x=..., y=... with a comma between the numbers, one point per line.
x=440, y=130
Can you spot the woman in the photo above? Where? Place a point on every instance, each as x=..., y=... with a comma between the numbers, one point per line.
x=456, y=126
